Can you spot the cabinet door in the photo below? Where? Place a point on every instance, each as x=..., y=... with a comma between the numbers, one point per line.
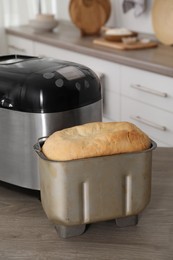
x=18, y=45
x=111, y=72
x=153, y=121
x=150, y=88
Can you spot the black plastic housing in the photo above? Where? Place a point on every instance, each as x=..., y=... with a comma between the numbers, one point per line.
x=46, y=85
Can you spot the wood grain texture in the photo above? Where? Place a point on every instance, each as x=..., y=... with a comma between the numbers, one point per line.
x=123, y=46
x=26, y=233
x=88, y=15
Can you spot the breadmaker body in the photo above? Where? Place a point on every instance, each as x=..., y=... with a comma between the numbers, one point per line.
x=19, y=130
x=21, y=126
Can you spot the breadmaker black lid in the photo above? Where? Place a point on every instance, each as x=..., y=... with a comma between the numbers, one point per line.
x=45, y=85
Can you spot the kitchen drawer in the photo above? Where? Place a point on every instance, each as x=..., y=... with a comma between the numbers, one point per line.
x=155, y=122
x=151, y=88
x=18, y=45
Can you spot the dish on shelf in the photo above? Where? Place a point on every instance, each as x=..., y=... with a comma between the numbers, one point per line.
x=129, y=40
x=117, y=34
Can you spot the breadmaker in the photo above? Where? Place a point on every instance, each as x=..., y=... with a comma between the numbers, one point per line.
x=37, y=97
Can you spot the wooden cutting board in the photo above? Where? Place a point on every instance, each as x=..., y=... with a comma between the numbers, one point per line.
x=89, y=15
x=123, y=46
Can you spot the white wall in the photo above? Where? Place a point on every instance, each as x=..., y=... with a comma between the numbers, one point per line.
x=15, y=14
x=3, y=43
x=117, y=18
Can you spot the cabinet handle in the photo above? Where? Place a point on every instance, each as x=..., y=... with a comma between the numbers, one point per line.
x=149, y=90
x=149, y=123
x=16, y=48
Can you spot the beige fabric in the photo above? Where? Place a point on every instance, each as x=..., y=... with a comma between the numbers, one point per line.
x=95, y=139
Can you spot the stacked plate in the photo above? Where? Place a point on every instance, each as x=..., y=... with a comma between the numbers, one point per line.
x=43, y=23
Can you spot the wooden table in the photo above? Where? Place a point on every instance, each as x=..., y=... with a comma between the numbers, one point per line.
x=26, y=233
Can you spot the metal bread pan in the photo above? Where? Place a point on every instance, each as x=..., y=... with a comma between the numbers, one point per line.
x=95, y=189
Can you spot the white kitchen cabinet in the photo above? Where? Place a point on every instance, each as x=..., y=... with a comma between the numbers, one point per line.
x=150, y=88
x=19, y=45
x=147, y=101
x=157, y=123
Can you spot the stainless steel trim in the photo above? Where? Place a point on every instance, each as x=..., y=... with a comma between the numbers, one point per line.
x=149, y=90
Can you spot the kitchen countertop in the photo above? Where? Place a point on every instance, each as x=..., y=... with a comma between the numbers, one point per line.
x=67, y=36
x=26, y=233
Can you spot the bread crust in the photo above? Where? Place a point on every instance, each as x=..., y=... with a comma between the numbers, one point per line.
x=95, y=139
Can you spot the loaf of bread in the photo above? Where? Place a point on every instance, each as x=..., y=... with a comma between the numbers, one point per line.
x=95, y=139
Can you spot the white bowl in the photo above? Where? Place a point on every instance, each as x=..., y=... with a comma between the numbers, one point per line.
x=43, y=25
x=45, y=17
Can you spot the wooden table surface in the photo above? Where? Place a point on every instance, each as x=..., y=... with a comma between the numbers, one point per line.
x=26, y=233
